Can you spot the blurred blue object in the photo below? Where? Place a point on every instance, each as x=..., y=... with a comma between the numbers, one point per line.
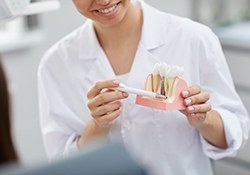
x=108, y=160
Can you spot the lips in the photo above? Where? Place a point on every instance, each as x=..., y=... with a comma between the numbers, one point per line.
x=108, y=11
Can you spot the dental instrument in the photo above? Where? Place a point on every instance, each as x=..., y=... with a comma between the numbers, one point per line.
x=124, y=88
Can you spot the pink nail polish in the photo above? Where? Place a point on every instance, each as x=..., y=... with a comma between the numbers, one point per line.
x=187, y=101
x=125, y=94
x=190, y=108
x=116, y=82
x=185, y=93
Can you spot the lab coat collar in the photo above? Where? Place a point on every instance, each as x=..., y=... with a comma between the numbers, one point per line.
x=153, y=28
x=89, y=44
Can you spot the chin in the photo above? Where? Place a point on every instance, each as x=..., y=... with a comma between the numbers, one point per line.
x=112, y=23
x=112, y=19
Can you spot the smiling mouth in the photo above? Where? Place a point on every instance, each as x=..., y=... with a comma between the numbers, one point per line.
x=109, y=9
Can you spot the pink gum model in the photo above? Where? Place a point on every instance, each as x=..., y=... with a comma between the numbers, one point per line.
x=176, y=104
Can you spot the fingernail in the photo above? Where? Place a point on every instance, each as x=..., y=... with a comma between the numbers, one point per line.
x=187, y=101
x=192, y=114
x=190, y=108
x=125, y=94
x=185, y=93
x=116, y=82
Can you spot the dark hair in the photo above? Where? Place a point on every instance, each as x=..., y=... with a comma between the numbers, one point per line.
x=7, y=151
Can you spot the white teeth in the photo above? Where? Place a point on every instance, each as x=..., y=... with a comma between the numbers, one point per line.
x=110, y=9
x=165, y=70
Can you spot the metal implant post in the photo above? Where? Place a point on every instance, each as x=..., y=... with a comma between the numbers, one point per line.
x=161, y=96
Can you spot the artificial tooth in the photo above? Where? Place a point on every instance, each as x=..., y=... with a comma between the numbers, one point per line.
x=156, y=83
x=170, y=82
x=149, y=83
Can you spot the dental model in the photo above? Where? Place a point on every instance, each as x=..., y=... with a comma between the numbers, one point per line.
x=165, y=80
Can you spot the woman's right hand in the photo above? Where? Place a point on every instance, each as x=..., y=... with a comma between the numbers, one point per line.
x=104, y=103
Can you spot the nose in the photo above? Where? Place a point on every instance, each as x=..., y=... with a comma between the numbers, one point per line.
x=103, y=2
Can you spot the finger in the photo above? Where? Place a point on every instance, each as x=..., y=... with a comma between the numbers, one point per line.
x=104, y=109
x=192, y=90
x=103, y=84
x=199, y=116
x=109, y=97
x=196, y=119
x=108, y=119
x=197, y=99
x=106, y=90
x=201, y=108
x=113, y=115
x=105, y=98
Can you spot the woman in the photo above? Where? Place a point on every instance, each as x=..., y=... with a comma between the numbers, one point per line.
x=7, y=151
x=122, y=41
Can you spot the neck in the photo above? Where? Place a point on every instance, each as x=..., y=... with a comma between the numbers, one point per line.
x=129, y=27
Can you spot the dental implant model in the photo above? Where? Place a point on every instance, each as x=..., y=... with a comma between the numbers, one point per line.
x=165, y=80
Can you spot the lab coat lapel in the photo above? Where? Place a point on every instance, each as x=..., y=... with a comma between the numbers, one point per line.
x=92, y=53
x=143, y=65
x=100, y=70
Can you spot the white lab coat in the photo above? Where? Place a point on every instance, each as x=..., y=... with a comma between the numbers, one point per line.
x=163, y=141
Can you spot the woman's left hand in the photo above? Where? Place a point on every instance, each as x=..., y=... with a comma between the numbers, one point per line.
x=196, y=101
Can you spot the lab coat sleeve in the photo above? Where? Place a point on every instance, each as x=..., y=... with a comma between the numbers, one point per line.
x=216, y=79
x=58, y=121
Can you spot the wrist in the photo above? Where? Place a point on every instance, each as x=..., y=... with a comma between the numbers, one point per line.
x=206, y=123
x=213, y=130
x=96, y=126
x=92, y=132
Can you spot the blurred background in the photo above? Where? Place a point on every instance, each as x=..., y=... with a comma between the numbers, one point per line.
x=24, y=40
